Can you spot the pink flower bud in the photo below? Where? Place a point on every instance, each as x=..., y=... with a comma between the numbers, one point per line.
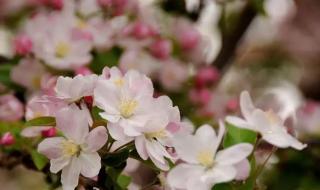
x=189, y=39
x=232, y=104
x=141, y=30
x=83, y=71
x=200, y=96
x=22, y=45
x=119, y=6
x=49, y=132
x=56, y=4
x=105, y=3
x=161, y=48
x=7, y=139
x=206, y=76
x=88, y=100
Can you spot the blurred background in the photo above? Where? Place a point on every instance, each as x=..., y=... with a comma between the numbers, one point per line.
x=203, y=54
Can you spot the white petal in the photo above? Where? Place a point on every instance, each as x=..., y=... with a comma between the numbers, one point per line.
x=156, y=150
x=62, y=87
x=220, y=174
x=58, y=164
x=182, y=173
x=90, y=164
x=197, y=183
x=206, y=133
x=117, y=132
x=109, y=117
x=246, y=104
x=33, y=131
x=141, y=148
x=282, y=140
x=106, y=97
x=163, y=166
x=96, y=139
x=295, y=143
x=234, y=154
x=70, y=174
x=238, y=122
x=260, y=122
x=243, y=170
x=73, y=122
x=51, y=147
x=187, y=148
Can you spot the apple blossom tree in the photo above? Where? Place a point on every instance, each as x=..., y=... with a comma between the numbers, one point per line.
x=129, y=94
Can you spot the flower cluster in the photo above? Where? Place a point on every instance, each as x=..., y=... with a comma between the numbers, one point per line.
x=152, y=125
x=122, y=94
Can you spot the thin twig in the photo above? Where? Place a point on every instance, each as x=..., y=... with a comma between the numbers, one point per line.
x=262, y=166
x=231, y=40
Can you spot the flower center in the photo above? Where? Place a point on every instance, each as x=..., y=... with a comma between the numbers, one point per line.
x=70, y=148
x=127, y=107
x=36, y=81
x=119, y=82
x=81, y=24
x=158, y=134
x=272, y=117
x=205, y=158
x=62, y=49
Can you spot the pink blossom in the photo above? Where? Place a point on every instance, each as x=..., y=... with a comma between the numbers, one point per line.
x=204, y=166
x=11, y=109
x=268, y=123
x=173, y=74
x=73, y=89
x=28, y=73
x=40, y=106
x=76, y=152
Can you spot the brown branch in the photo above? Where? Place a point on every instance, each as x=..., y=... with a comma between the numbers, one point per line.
x=231, y=40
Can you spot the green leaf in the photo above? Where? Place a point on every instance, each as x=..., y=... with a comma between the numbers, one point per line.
x=41, y=121
x=258, y=5
x=124, y=181
x=116, y=159
x=235, y=135
x=102, y=59
x=38, y=159
x=222, y=186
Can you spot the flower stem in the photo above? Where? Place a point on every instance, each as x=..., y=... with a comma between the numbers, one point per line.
x=262, y=166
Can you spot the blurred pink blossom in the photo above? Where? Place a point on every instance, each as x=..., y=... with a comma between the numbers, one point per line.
x=11, y=109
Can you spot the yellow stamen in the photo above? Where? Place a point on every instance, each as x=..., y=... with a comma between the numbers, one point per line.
x=158, y=134
x=205, y=158
x=272, y=117
x=81, y=24
x=119, y=82
x=62, y=49
x=36, y=81
x=127, y=108
x=70, y=148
